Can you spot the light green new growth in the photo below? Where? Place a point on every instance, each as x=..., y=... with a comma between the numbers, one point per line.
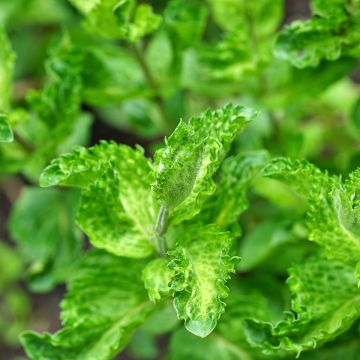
x=333, y=216
x=191, y=156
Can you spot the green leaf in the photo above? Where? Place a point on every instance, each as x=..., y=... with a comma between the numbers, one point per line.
x=81, y=167
x=105, y=303
x=111, y=74
x=334, y=220
x=319, y=315
x=157, y=277
x=227, y=341
x=117, y=212
x=186, y=21
x=333, y=210
x=235, y=177
x=202, y=264
x=55, y=109
x=332, y=32
x=120, y=19
x=6, y=134
x=48, y=239
x=7, y=60
x=191, y=156
x=261, y=17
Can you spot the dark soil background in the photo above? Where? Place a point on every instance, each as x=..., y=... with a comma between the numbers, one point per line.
x=45, y=307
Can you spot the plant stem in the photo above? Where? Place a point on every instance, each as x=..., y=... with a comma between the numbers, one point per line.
x=164, y=124
x=29, y=148
x=160, y=229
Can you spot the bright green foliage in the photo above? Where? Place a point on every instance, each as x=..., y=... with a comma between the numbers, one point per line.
x=6, y=134
x=105, y=302
x=169, y=221
x=48, y=240
x=332, y=32
x=117, y=212
x=81, y=167
x=157, y=277
x=120, y=214
x=319, y=315
x=332, y=218
x=119, y=19
x=202, y=263
x=186, y=164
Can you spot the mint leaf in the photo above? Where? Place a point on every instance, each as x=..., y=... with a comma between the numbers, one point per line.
x=202, y=264
x=117, y=212
x=119, y=19
x=332, y=32
x=332, y=216
x=334, y=220
x=6, y=134
x=157, y=277
x=48, y=240
x=81, y=167
x=192, y=154
x=319, y=315
x=105, y=302
x=118, y=75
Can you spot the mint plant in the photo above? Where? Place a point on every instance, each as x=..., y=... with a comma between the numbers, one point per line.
x=222, y=242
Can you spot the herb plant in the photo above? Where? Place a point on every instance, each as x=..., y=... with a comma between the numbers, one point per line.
x=235, y=238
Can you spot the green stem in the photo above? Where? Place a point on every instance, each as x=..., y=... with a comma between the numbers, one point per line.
x=164, y=122
x=29, y=148
x=160, y=229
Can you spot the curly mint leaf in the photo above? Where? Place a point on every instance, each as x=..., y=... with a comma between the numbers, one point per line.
x=319, y=316
x=202, y=263
x=105, y=303
x=117, y=212
x=80, y=167
x=332, y=32
x=333, y=213
x=191, y=156
x=157, y=277
x=334, y=220
x=7, y=60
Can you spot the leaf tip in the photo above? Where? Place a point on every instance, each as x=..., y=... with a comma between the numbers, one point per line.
x=201, y=328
